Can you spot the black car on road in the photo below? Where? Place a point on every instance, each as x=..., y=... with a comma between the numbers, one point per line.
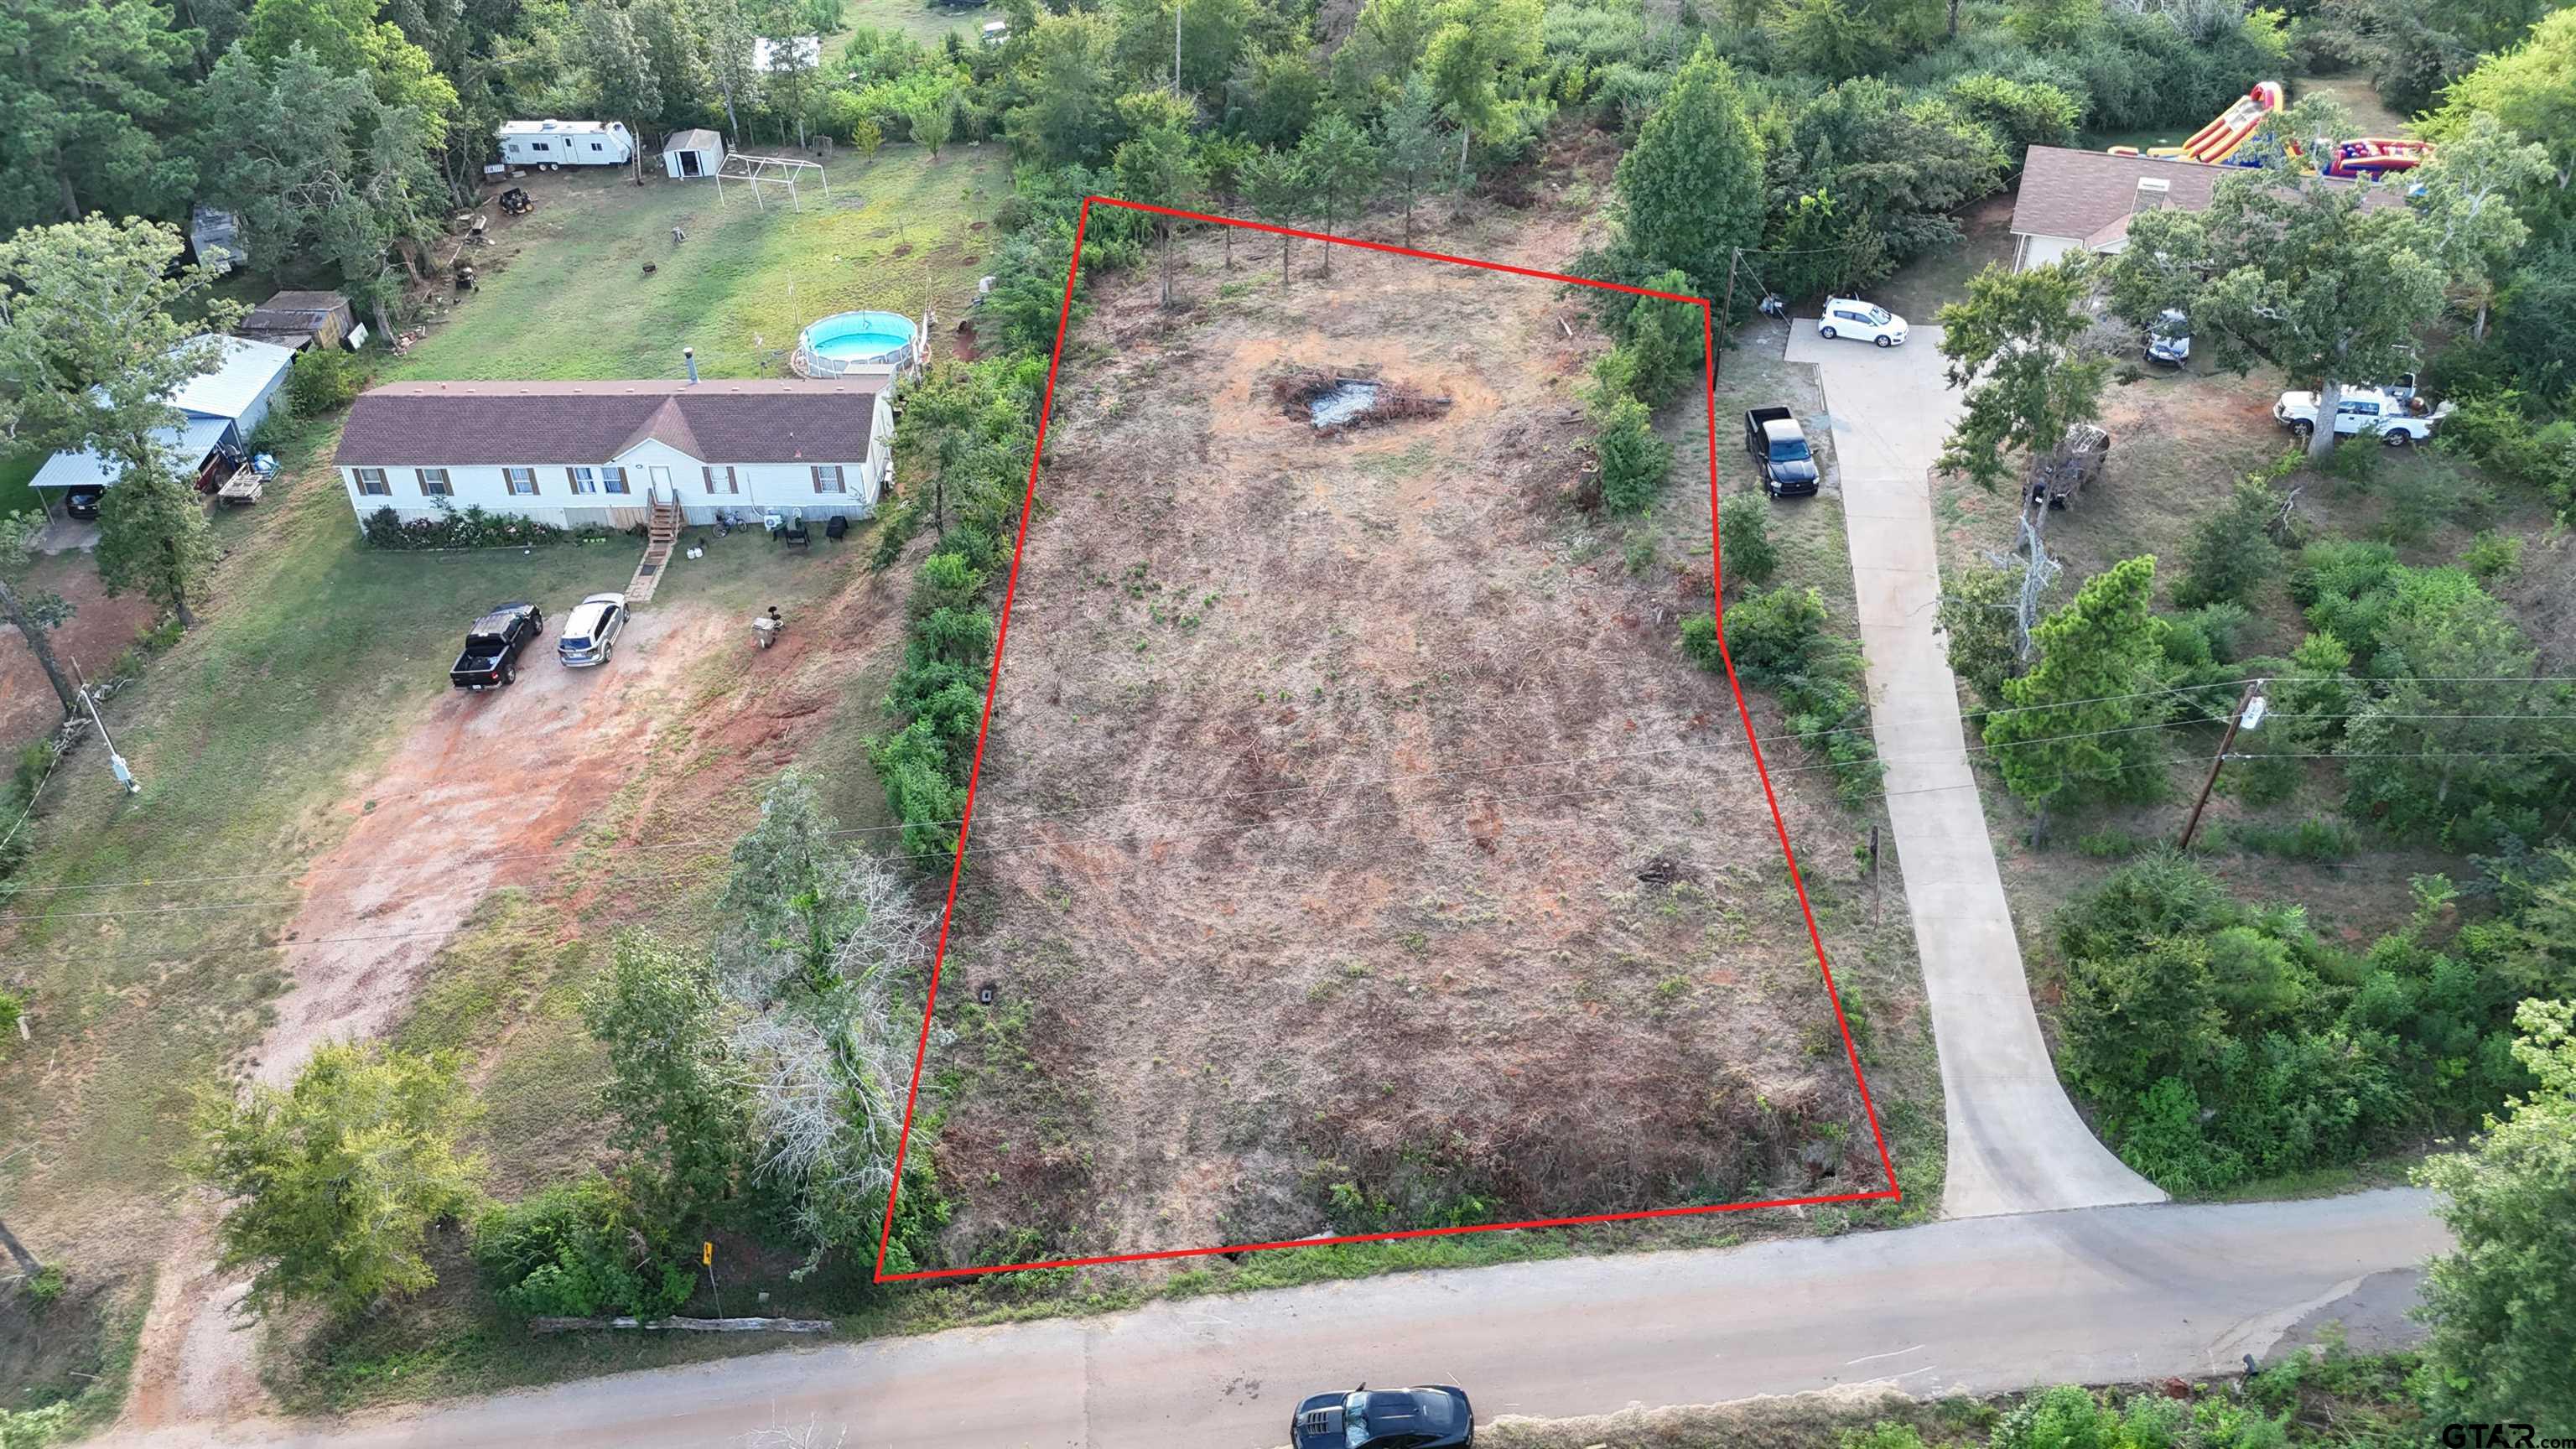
x=493, y=646
x=1429, y=1416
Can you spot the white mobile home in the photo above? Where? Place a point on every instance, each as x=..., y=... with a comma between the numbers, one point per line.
x=692, y=153
x=584, y=453
x=565, y=143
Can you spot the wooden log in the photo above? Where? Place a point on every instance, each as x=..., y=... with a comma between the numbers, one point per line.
x=684, y=1325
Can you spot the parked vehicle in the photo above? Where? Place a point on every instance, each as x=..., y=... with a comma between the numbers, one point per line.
x=494, y=644
x=83, y=502
x=1860, y=321
x=2361, y=410
x=2169, y=340
x=1779, y=447
x=590, y=631
x=1435, y=1416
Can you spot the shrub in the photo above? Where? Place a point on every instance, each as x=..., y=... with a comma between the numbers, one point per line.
x=46, y=1288
x=12, y=1006
x=576, y=1250
x=2492, y=555
x=1778, y=640
x=2230, y=553
x=472, y=527
x=1634, y=460
x=1744, y=540
x=322, y=380
x=2310, y=839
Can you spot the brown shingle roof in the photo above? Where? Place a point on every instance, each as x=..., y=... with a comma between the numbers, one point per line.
x=769, y=420
x=2084, y=194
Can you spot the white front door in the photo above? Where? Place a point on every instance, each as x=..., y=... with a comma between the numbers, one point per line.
x=657, y=481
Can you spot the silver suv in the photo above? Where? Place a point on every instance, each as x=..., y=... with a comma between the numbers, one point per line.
x=590, y=631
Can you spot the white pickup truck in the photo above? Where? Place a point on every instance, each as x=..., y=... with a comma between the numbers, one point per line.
x=2361, y=410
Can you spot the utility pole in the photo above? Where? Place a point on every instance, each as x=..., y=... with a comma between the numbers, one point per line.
x=1726, y=309
x=2248, y=715
x=1176, y=46
x=1875, y=897
x=115, y=762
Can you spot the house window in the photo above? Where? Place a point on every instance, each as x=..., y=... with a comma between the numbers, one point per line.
x=540, y=145
x=722, y=480
x=612, y=480
x=827, y=478
x=595, y=146
x=523, y=481
x=583, y=480
x=433, y=482
x=372, y=480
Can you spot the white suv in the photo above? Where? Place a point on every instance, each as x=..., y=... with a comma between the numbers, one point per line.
x=1858, y=320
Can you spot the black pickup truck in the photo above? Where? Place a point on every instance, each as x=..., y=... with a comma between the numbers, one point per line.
x=493, y=646
x=1772, y=436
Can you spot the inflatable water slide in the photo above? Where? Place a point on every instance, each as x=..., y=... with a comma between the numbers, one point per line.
x=2214, y=143
x=2375, y=156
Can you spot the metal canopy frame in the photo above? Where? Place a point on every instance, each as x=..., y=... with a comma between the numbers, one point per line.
x=762, y=171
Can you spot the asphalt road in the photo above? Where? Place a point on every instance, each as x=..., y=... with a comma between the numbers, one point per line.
x=1975, y=1304
x=2015, y=1142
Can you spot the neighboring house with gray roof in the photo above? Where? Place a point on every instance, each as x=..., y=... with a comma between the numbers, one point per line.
x=218, y=411
x=582, y=453
x=2082, y=200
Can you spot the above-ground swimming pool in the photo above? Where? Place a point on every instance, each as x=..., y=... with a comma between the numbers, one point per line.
x=857, y=342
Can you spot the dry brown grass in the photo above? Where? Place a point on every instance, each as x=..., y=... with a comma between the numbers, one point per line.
x=1354, y=849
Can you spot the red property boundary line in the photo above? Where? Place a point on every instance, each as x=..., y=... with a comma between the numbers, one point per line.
x=1046, y=408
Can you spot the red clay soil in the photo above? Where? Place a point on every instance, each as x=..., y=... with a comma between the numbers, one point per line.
x=99, y=631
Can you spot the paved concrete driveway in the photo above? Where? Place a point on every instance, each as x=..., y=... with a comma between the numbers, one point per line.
x=2016, y=1144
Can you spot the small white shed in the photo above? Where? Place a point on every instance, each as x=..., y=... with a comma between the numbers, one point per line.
x=565, y=143
x=696, y=152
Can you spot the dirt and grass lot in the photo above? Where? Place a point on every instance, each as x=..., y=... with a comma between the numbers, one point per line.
x=1354, y=849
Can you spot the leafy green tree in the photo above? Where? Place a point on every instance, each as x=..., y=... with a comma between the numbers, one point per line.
x=2435, y=753
x=2537, y=329
x=2306, y=278
x=1843, y=38
x=2011, y=346
x=1635, y=460
x=321, y=171
x=2413, y=51
x=1341, y=165
x=1386, y=45
x=2503, y=1344
x=681, y=1108
x=1158, y=166
x=1690, y=190
x=1219, y=160
x=34, y=613
x=931, y=122
x=2021, y=114
x=1662, y=344
x=91, y=92
x=2230, y=553
x=1745, y=550
x=153, y=538
x=1276, y=184
x=2469, y=195
x=346, y=38
x=89, y=348
x=1409, y=138
x=2082, y=720
x=334, y=1182
x=1979, y=609
x=622, y=80
x=1873, y=175
x=1210, y=35
x=1280, y=90
x=725, y=28
x=1477, y=60
x=2531, y=90
x=1066, y=115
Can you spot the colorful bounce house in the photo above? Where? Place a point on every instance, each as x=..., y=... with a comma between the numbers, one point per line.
x=2218, y=143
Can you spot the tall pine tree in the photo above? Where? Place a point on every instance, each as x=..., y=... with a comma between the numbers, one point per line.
x=2082, y=721
x=1690, y=190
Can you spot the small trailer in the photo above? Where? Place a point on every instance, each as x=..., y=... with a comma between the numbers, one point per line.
x=2059, y=478
x=565, y=143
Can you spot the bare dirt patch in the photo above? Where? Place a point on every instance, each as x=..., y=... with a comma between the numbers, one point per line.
x=99, y=630
x=486, y=793
x=1354, y=850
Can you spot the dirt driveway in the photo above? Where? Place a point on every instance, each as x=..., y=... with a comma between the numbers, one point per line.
x=490, y=791
x=99, y=631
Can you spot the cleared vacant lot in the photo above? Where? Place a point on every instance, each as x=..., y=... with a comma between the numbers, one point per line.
x=1354, y=849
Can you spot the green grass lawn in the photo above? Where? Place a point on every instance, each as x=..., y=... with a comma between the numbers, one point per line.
x=16, y=467
x=920, y=19
x=564, y=293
